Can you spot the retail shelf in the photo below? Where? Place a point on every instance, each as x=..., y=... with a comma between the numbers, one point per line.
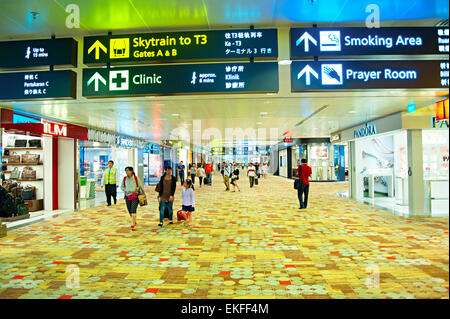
x=23, y=164
x=27, y=180
x=23, y=148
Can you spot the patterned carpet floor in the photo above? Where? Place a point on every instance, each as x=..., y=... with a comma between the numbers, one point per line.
x=249, y=244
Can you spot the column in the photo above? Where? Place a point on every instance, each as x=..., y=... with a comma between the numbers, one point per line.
x=418, y=206
x=352, y=170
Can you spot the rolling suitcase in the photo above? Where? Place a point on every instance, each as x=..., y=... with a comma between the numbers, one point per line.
x=256, y=181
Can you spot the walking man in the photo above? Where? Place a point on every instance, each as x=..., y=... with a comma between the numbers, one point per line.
x=208, y=170
x=304, y=173
x=180, y=170
x=251, y=173
x=110, y=182
x=227, y=170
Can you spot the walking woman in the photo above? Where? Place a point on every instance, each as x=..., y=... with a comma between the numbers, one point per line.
x=193, y=172
x=166, y=189
x=132, y=187
x=200, y=174
x=235, y=178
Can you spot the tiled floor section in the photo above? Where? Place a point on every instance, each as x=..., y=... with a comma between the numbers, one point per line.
x=253, y=244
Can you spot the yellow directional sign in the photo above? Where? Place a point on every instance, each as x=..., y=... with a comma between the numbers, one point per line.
x=97, y=46
x=119, y=48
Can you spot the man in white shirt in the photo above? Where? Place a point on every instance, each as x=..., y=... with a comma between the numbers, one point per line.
x=110, y=182
x=251, y=173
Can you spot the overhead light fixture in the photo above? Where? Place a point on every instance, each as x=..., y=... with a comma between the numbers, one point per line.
x=259, y=123
x=263, y=113
x=284, y=62
x=271, y=93
x=352, y=111
x=175, y=114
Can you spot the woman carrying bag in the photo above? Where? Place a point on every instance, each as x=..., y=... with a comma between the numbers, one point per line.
x=134, y=192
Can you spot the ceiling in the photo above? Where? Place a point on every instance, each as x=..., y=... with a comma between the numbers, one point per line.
x=157, y=118
x=153, y=15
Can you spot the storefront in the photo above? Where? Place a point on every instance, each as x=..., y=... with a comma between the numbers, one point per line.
x=339, y=149
x=40, y=156
x=95, y=153
x=399, y=163
x=153, y=163
x=315, y=150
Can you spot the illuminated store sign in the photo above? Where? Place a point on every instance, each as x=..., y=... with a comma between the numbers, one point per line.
x=181, y=79
x=31, y=53
x=198, y=45
x=365, y=41
x=38, y=85
x=56, y=129
x=338, y=75
x=367, y=130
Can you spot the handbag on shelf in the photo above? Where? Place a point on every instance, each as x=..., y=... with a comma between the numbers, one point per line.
x=28, y=158
x=28, y=173
x=14, y=158
x=11, y=142
x=33, y=190
x=15, y=173
x=34, y=143
x=8, y=185
x=16, y=191
x=6, y=153
x=27, y=194
x=20, y=143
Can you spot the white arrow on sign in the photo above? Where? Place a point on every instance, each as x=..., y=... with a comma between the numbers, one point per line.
x=307, y=70
x=306, y=37
x=96, y=78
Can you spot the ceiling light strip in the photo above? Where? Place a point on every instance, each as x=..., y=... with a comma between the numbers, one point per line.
x=311, y=115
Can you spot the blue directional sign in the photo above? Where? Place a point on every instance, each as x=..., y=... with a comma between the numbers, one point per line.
x=365, y=41
x=40, y=85
x=384, y=74
x=31, y=53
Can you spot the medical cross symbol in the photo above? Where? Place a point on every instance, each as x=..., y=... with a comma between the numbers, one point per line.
x=119, y=80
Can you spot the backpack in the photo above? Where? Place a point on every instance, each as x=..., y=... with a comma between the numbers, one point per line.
x=6, y=203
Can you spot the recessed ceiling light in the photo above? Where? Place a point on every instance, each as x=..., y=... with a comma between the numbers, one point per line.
x=259, y=123
x=263, y=113
x=271, y=93
x=352, y=111
x=284, y=62
x=175, y=114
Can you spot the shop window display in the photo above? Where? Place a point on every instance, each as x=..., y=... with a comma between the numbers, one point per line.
x=23, y=172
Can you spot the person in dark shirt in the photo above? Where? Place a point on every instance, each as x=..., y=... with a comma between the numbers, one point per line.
x=304, y=173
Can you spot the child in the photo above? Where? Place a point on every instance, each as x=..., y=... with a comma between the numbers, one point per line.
x=188, y=201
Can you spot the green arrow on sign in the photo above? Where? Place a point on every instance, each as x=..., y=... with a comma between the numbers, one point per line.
x=97, y=46
x=96, y=78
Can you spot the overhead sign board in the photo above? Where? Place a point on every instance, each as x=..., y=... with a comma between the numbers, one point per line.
x=365, y=41
x=384, y=74
x=198, y=45
x=32, y=53
x=38, y=85
x=181, y=79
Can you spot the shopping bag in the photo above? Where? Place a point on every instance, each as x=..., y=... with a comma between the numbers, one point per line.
x=180, y=215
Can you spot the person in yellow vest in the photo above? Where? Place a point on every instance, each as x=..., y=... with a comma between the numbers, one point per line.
x=110, y=182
